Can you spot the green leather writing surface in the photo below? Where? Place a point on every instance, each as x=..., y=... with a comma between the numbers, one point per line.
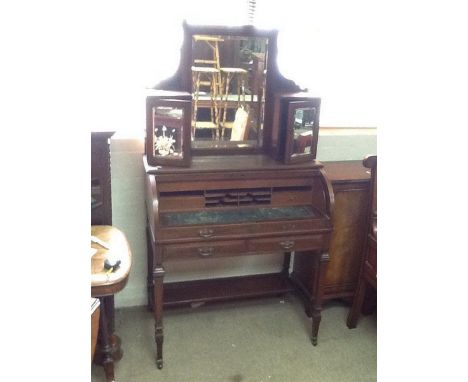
x=238, y=215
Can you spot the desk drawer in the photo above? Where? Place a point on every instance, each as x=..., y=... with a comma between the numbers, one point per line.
x=214, y=232
x=288, y=243
x=205, y=250
x=239, y=231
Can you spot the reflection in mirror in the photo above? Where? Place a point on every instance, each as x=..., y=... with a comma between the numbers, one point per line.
x=228, y=90
x=167, y=131
x=303, y=130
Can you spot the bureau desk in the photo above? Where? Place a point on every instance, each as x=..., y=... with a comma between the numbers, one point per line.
x=243, y=205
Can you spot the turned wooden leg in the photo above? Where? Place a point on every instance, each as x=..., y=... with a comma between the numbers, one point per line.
x=149, y=274
x=107, y=360
x=355, y=310
x=150, y=289
x=316, y=318
x=320, y=269
x=158, y=276
x=370, y=301
x=286, y=264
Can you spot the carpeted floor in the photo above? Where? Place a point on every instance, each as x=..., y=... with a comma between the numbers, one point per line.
x=256, y=340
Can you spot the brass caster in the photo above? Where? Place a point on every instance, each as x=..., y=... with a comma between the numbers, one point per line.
x=314, y=341
x=159, y=364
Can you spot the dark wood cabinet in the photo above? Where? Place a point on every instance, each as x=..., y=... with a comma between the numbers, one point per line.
x=368, y=270
x=101, y=198
x=351, y=187
x=350, y=181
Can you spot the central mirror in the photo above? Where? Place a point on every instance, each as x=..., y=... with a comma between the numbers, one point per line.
x=228, y=75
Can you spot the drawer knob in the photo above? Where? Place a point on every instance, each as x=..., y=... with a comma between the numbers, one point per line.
x=287, y=245
x=205, y=252
x=206, y=232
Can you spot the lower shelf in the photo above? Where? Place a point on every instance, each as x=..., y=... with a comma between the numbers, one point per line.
x=226, y=288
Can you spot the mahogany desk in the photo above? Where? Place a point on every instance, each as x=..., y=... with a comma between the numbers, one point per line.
x=103, y=286
x=241, y=205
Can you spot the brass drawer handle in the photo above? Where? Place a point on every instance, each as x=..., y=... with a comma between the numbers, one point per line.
x=287, y=245
x=206, y=232
x=205, y=252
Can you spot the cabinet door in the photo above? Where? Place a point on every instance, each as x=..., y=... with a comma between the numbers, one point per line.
x=168, y=132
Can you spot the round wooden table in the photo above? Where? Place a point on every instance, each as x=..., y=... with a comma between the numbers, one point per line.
x=104, y=285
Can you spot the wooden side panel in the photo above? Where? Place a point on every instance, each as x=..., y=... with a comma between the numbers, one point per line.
x=351, y=201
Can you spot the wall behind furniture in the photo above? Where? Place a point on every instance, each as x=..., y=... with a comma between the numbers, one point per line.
x=128, y=211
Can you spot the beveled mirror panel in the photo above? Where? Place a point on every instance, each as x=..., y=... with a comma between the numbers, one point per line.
x=303, y=131
x=228, y=78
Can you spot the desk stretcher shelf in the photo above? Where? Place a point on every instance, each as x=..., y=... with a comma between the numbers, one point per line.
x=223, y=289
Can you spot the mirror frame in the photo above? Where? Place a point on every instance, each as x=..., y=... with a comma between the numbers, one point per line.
x=181, y=81
x=289, y=157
